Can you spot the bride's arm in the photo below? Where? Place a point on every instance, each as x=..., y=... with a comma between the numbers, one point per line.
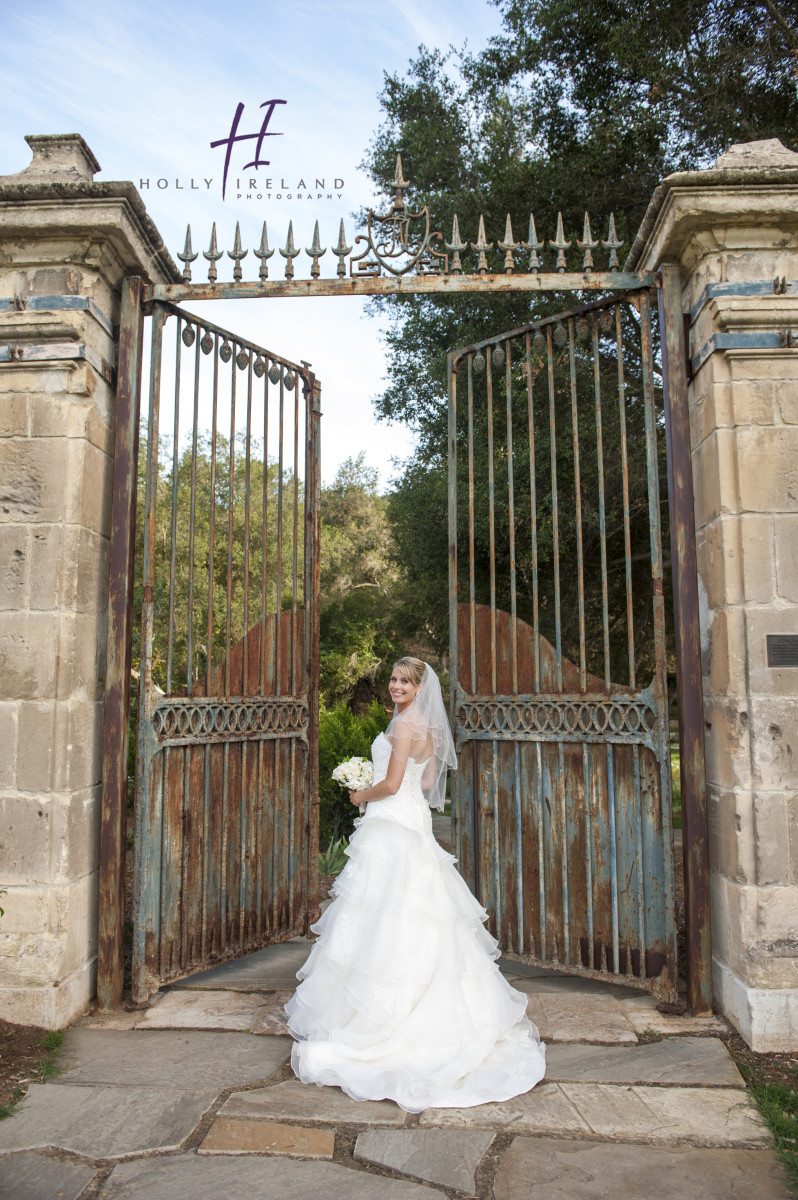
x=390, y=785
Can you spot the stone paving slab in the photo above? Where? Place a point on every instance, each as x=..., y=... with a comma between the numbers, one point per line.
x=560, y=1169
x=35, y=1177
x=641, y=1013
x=305, y=1101
x=684, y=1060
x=272, y=969
x=700, y=1116
x=579, y=1017
x=271, y=1018
x=194, y=1059
x=192, y=1178
x=202, y=1010
x=551, y=981
x=103, y=1122
x=230, y=1136
x=446, y=1156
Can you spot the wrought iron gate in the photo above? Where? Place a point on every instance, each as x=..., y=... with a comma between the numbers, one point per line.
x=226, y=808
x=562, y=804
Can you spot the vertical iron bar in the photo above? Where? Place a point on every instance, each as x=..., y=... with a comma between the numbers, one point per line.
x=613, y=858
x=533, y=501
x=279, y=568
x=312, y=547
x=295, y=560
x=492, y=529
x=116, y=714
x=454, y=650
x=605, y=609
x=554, y=512
x=230, y=530
x=537, y=792
x=630, y=631
x=641, y=888
x=519, y=848
x=587, y=791
x=580, y=569
x=212, y=526
x=191, y=522
x=173, y=529
x=688, y=646
x=511, y=499
x=265, y=541
x=566, y=897
x=471, y=576
x=245, y=684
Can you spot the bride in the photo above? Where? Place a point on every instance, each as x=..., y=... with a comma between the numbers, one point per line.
x=401, y=997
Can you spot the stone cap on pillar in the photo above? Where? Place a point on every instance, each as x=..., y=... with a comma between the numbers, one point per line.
x=57, y=195
x=57, y=157
x=750, y=183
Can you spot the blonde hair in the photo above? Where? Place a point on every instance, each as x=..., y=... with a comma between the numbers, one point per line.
x=411, y=669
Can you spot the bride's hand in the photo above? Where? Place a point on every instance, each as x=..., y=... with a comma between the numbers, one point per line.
x=356, y=798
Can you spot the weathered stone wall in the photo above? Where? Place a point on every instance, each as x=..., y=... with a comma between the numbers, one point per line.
x=67, y=243
x=733, y=230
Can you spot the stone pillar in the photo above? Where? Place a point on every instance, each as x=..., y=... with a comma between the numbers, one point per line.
x=733, y=231
x=67, y=243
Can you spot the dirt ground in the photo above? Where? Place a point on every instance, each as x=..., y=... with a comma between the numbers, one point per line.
x=22, y=1051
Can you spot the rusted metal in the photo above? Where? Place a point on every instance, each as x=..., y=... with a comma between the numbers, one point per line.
x=227, y=799
x=113, y=819
x=688, y=648
x=562, y=805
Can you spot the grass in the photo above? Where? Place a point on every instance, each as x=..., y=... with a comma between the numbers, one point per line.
x=7, y=1110
x=778, y=1104
x=47, y=1067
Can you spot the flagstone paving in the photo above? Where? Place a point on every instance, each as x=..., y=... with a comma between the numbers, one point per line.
x=203, y=1105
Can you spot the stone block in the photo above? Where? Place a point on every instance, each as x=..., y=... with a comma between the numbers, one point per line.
x=765, y=680
x=686, y=1060
x=727, y=743
x=715, y=486
x=754, y=933
x=33, y=1176
x=792, y=826
x=189, y=1177
x=641, y=1013
x=271, y=1017
x=88, y=495
x=786, y=546
x=774, y=741
x=35, y=745
x=9, y=719
x=202, y=1010
x=771, y=838
x=157, y=1059
x=14, y=413
x=72, y=418
x=77, y=755
x=579, y=1017
x=766, y=1017
x=786, y=392
x=726, y=663
x=46, y=566
x=75, y=834
x=719, y=561
x=710, y=407
x=759, y=565
x=306, y=1102
x=564, y=1169
x=27, y=655
x=80, y=671
x=226, y=1136
x=14, y=566
x=25, y=823
x=33, y=480
x=767, y=461
x=446, y=1156
x=731, y=833
x=104, y=1122
x=753, y=401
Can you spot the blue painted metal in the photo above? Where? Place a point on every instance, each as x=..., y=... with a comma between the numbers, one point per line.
x=563, y=823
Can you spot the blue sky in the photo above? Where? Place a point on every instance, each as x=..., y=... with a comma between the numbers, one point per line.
x=150, y=86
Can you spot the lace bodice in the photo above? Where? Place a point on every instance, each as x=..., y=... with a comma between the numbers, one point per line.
x=409, y=805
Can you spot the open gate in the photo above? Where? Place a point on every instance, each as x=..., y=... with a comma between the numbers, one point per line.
x=562, y=803
x=226, y=758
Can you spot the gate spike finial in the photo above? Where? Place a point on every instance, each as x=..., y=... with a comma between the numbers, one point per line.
x=341, y=251
x=508, y=245
x=237, y=253
x=613, y=244
x=187, y=256
x=213, y=254
x=456, y=246
x=264, y=254
x=560, y=244
x=587, y=245
x=289, y=253
x=400, y=183
x=315, y=252
x=533, y=245
x=482, y=246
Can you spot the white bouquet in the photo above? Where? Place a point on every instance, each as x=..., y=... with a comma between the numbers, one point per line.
x=355, y=774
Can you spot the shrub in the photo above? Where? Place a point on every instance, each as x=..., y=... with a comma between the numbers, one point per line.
x=342, y=734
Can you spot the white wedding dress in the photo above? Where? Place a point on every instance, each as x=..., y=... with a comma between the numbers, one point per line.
x=401, y=997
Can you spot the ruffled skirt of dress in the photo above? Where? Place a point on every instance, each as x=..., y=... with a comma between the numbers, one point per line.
x=400, y=997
